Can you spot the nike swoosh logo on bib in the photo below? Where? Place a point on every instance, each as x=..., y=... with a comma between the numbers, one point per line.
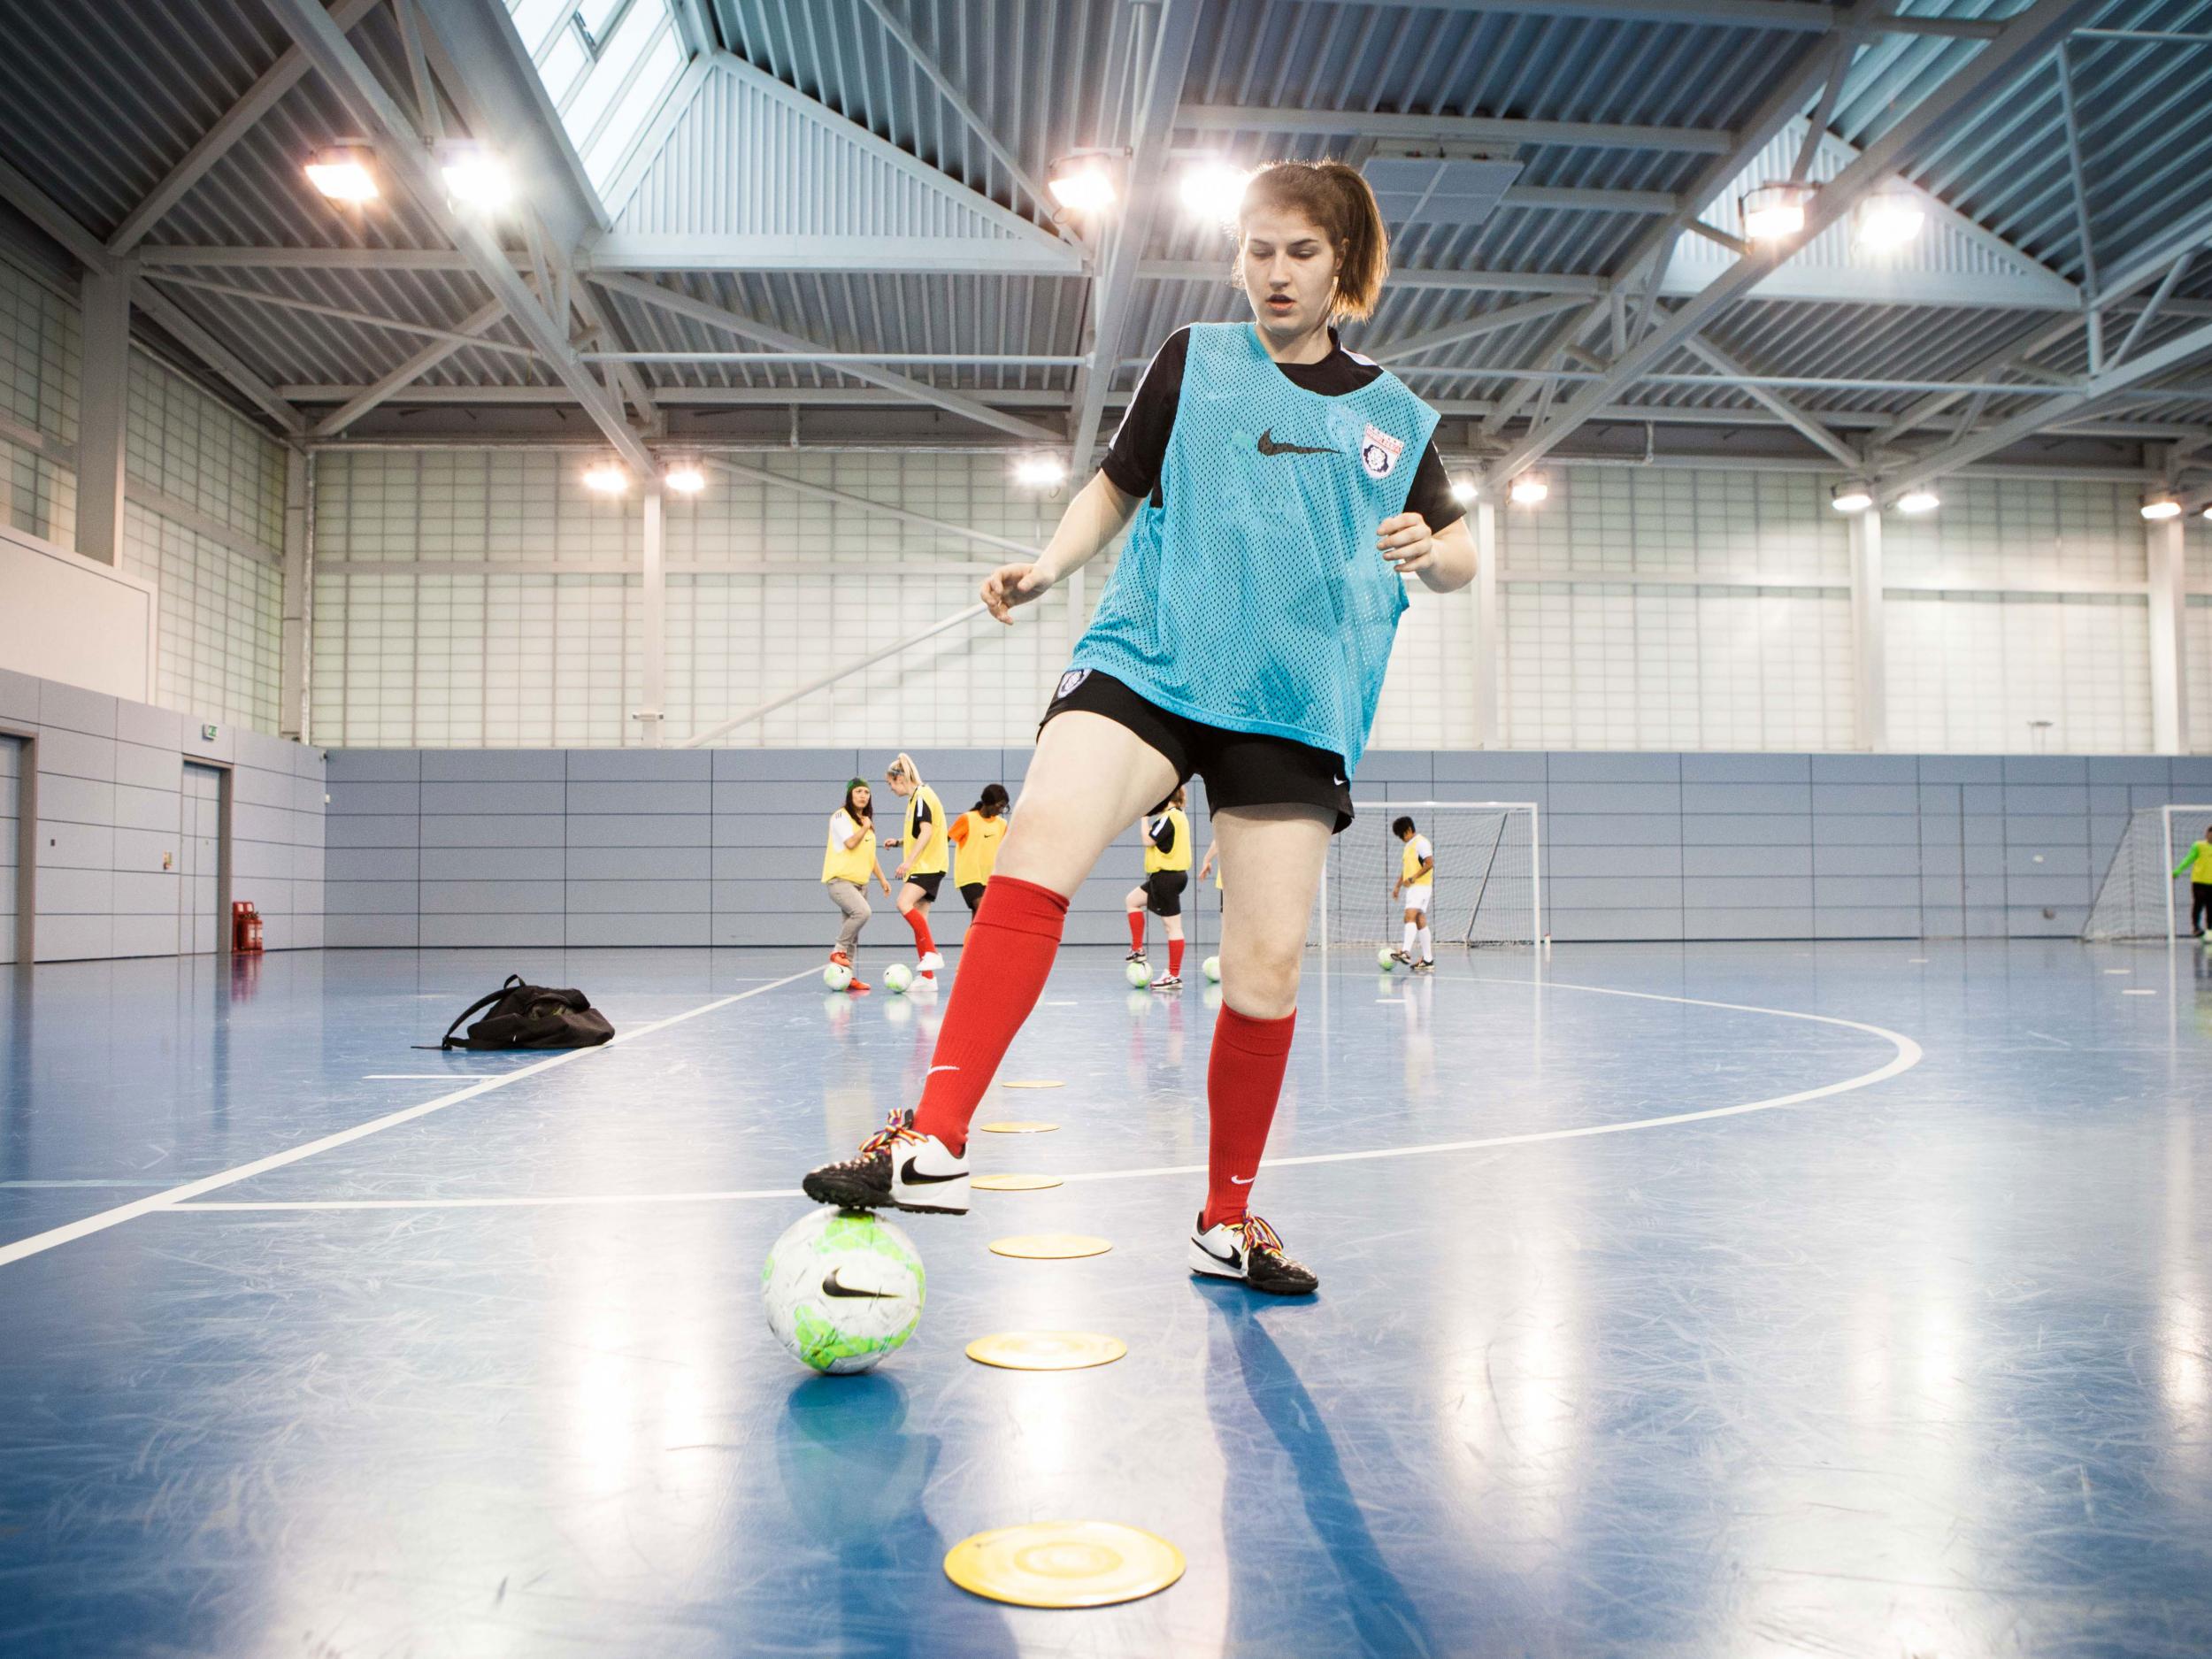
x=1268, y=446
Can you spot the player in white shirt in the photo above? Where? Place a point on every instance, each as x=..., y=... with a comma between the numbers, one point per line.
x=1416, y=879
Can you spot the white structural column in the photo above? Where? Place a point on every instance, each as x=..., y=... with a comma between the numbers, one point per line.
x=102, y=412
x=299, y=599
x=2169, y=651
x=1485, y=597
x=1869, y=679
x=655, y=595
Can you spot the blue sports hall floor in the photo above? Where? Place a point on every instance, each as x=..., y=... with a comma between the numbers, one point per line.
x=1726, y=1300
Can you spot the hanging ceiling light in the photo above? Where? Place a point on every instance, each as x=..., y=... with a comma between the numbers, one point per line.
x=1041, y=471
x=1887, y=220
x=686, y=478
x=345, y=172
x=1919, y=501
x=1213, y=190
x=1772, y=211
x=1082, y=183
x=1464, y=490
x=1852, y=497
x=2159, y=508
x=606, y=478
x=475, y=176
x=1530, y=488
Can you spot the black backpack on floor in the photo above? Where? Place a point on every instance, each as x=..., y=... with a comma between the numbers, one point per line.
x=530, y=1017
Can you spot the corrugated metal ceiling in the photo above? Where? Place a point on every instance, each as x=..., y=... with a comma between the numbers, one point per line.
x=98, y=102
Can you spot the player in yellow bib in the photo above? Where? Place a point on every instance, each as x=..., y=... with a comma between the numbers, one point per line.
x=2198, y=862
x=976, y=834
x=922, y=871
x=1416, y=879
x=1167, y=833
x=849, y=859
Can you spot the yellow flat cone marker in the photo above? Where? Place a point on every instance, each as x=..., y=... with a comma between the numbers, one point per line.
x=1014, y=1183
x=1065, y=1564
x=1046, y=1350
x=1051, y=1247
x=1018, y=1127
x=1033, y=1082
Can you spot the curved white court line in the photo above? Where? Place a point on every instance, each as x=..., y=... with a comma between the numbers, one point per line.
x=1909, y=1055
x=175, y=1197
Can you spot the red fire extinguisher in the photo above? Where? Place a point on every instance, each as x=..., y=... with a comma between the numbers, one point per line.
x=245, y=926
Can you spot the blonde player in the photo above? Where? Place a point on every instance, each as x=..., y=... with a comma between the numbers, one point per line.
x=1416, y=880
x=922, y=871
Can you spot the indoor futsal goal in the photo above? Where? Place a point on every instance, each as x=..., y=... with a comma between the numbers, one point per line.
x=2140, y=897
x=1486, y=882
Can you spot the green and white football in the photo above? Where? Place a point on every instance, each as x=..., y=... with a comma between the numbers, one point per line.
x=843, y=1288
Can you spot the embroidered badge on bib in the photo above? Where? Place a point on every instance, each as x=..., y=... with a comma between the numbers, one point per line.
x=1379, y=452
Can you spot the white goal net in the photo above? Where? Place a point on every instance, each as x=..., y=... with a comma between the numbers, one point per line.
x=1484, y=881
x=2140, y=896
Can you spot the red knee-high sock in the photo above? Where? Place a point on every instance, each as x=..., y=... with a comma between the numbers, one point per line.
x=1244, y=1077
x=1174, y=958
x=917, y=918
x=1003, y=961
x=1136, y=930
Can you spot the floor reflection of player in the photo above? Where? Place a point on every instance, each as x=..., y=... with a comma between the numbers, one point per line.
x=1420, y=1048
x=1247, y=1377
x=852, y=1477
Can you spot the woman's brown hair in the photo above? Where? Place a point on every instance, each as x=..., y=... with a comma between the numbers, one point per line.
x=1337, y=199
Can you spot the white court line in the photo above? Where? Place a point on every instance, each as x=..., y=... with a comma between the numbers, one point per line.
x=177, y=1196
x=1909, y=1055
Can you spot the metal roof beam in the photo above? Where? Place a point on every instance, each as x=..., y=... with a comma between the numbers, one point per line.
x=1473, y=129
x=279, y=78
x=745, y=327
x=1927, y=468
x=1472, y=328
x=1790, y=414
x=408, y=373
x=403, y=152
x=336, y=313
x=1114, y=287
x=936, y=77
x=2026, y=39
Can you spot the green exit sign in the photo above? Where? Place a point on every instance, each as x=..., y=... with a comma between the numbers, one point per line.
x=207, y=734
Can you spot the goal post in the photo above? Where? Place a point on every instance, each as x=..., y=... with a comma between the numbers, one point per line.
x=2140, y=897
x=1488, y=884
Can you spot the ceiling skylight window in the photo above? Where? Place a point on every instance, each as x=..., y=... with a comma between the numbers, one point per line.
x=607, y=66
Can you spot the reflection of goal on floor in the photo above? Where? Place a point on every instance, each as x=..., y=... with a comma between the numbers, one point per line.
x=2140, y=897
x=1486, y=871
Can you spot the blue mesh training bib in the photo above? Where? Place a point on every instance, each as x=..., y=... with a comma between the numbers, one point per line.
x=1254, y=599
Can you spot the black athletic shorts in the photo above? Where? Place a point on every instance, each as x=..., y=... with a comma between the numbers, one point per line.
x=971, y=891
x=1242, y=768
x=929, y=884
x=1163, y=891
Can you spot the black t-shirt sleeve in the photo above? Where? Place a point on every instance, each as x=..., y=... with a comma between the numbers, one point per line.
x=922, y=814
x=1431, y=495
x=1163, y=834
x=1138, y=451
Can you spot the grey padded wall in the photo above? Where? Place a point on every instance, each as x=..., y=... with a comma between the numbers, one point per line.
x=110, y=777
x=638, y=847
x=456, y=847
x=10, y=799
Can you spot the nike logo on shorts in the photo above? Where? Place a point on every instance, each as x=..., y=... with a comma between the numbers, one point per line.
x=1268, y=446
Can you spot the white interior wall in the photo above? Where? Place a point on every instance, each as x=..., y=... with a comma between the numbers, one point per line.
x=204, y=521
x=1655, y=608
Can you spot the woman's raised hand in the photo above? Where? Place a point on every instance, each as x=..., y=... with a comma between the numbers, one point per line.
x=1011, y=585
